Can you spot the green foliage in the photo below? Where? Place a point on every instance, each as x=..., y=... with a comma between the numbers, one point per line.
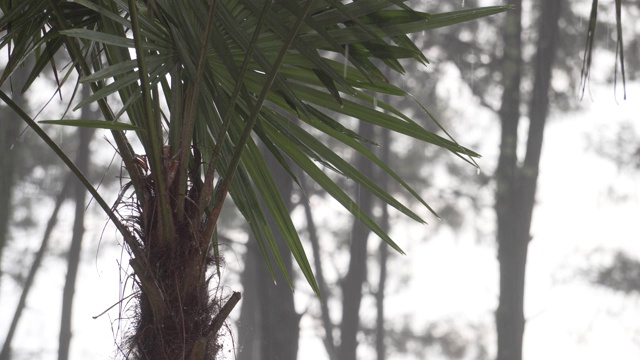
x=588, y=49
x=201, y=82
x=97, y=124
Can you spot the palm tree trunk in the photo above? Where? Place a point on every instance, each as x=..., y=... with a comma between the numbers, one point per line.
x=175, y=310
x=176, y=316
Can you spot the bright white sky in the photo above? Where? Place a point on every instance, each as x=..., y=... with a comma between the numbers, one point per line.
x=453, y=276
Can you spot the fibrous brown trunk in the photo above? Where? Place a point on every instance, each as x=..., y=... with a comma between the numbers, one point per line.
x=516, y=184
x=177, y=318
x=357, y=273
x=176, y=312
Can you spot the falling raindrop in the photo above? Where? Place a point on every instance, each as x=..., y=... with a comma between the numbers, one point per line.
x=355, y=211
x=462, y=3
x=473, y=61
x=478, y=170
x=375, y=103
x=346, y=61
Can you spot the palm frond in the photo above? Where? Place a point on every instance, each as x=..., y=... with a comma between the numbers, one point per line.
x=225, y=71
x=588, y=48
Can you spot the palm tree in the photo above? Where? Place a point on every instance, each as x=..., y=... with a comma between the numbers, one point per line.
x=198, y=85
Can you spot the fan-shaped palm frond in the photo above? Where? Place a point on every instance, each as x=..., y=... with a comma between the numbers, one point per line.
x=264, y=63
x=204, y=82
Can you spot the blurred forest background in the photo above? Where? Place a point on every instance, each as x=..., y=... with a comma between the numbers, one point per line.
x=497, y=85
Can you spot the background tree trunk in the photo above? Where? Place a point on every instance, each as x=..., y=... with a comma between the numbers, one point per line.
x=269, y=323
x=5, y=354
x=73, y=257
x=249, y=340
x=328, y=339
x=356, y=276
x=516, y=184
x=384, y=254
x=9, y=131
x=511, y=248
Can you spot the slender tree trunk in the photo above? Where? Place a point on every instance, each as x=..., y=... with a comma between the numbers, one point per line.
x=73, y=257
x=8, y=134
x=37, y=261
x=328, y=340
x=9, y=131
x=273, y=330
x=357, y=273
x=516, y=185
x=512, y=249
x=384, y=254
x=249, y=342
x=280, y=322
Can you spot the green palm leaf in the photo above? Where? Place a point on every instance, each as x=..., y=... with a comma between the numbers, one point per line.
x=196, y=101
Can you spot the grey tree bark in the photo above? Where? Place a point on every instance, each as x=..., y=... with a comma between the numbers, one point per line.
x=73, y=257
x=384, y=255
x=328, y=339
x=516, y=184
x=269, y=324
x=5, y=354
x=249, y=341
x=9, y=131
x=357, y=273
